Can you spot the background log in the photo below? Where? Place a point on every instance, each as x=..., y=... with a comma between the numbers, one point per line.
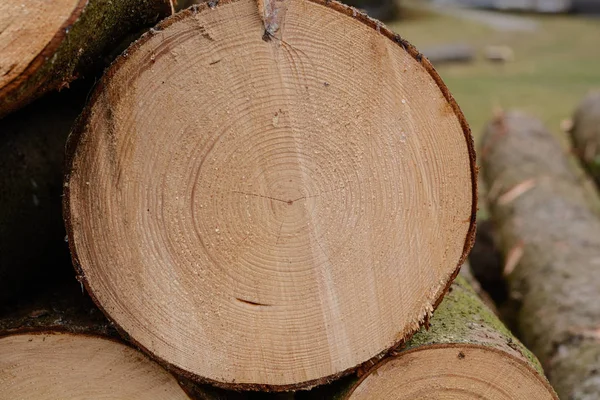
x=551, y=240
x=585, y=134
x=450, y=53
x=46, y=46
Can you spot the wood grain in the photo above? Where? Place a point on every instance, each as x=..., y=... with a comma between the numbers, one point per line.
x=270, y=214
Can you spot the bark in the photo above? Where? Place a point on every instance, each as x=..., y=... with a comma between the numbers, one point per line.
x=462, y=321
x=92, y=30
x=550, y=236
x=32, y=248
x=585, y=134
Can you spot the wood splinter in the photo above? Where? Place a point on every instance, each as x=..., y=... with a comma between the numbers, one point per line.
x=272, y=13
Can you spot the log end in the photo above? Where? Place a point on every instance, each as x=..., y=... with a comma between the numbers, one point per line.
x=52, y=365
x=458, y=371
x=262, y=214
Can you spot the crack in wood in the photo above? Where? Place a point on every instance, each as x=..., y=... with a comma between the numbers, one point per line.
x=263, y=196
x=252, y=303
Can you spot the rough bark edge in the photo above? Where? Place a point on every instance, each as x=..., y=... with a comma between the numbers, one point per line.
x=66, y=310
x=71, y=52
x=77, y=135
x=567, y=347
x=465, y=304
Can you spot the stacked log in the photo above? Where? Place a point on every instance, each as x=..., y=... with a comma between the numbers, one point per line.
x=61, y=346
x=460, y=355
x=551, y=239
x=46, y=45
x=259, y=196
x=585, y=133
x=249, y=217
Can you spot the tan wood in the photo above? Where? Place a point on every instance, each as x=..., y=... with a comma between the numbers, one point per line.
x=466, y=353
x=53, y=365
x=45, y=45
x=26, y=28
x=460, y=371
x=270, y=213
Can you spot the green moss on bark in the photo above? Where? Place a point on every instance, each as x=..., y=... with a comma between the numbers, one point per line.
x=98, y=28
x=461, y=318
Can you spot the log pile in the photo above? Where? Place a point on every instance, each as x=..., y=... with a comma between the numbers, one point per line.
x=261, y=200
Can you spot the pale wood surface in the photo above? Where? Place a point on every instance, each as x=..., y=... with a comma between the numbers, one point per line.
x=53, y=365
x=26, y=28
x=455, y=372
x=269, y=213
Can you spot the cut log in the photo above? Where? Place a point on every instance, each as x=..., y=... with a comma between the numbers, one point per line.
x=53, y=364
x=551, y=240
x=57, y=344
x=47, y=44
x=467, y=353
x=64, y=348
x=267, y=204
x=32, y=142
x=585, y=134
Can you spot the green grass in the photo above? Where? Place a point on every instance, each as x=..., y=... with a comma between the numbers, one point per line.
x=553, y=68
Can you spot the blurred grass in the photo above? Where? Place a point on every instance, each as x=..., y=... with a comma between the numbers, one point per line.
x=553, y=67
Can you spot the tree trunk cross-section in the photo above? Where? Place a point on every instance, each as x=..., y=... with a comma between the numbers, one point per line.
x=44, y=45
x=466, y=353
x=57, y=345
x=270, y=211
x=60, y=365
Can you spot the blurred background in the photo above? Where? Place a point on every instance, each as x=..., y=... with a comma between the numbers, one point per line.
x=540, y=56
